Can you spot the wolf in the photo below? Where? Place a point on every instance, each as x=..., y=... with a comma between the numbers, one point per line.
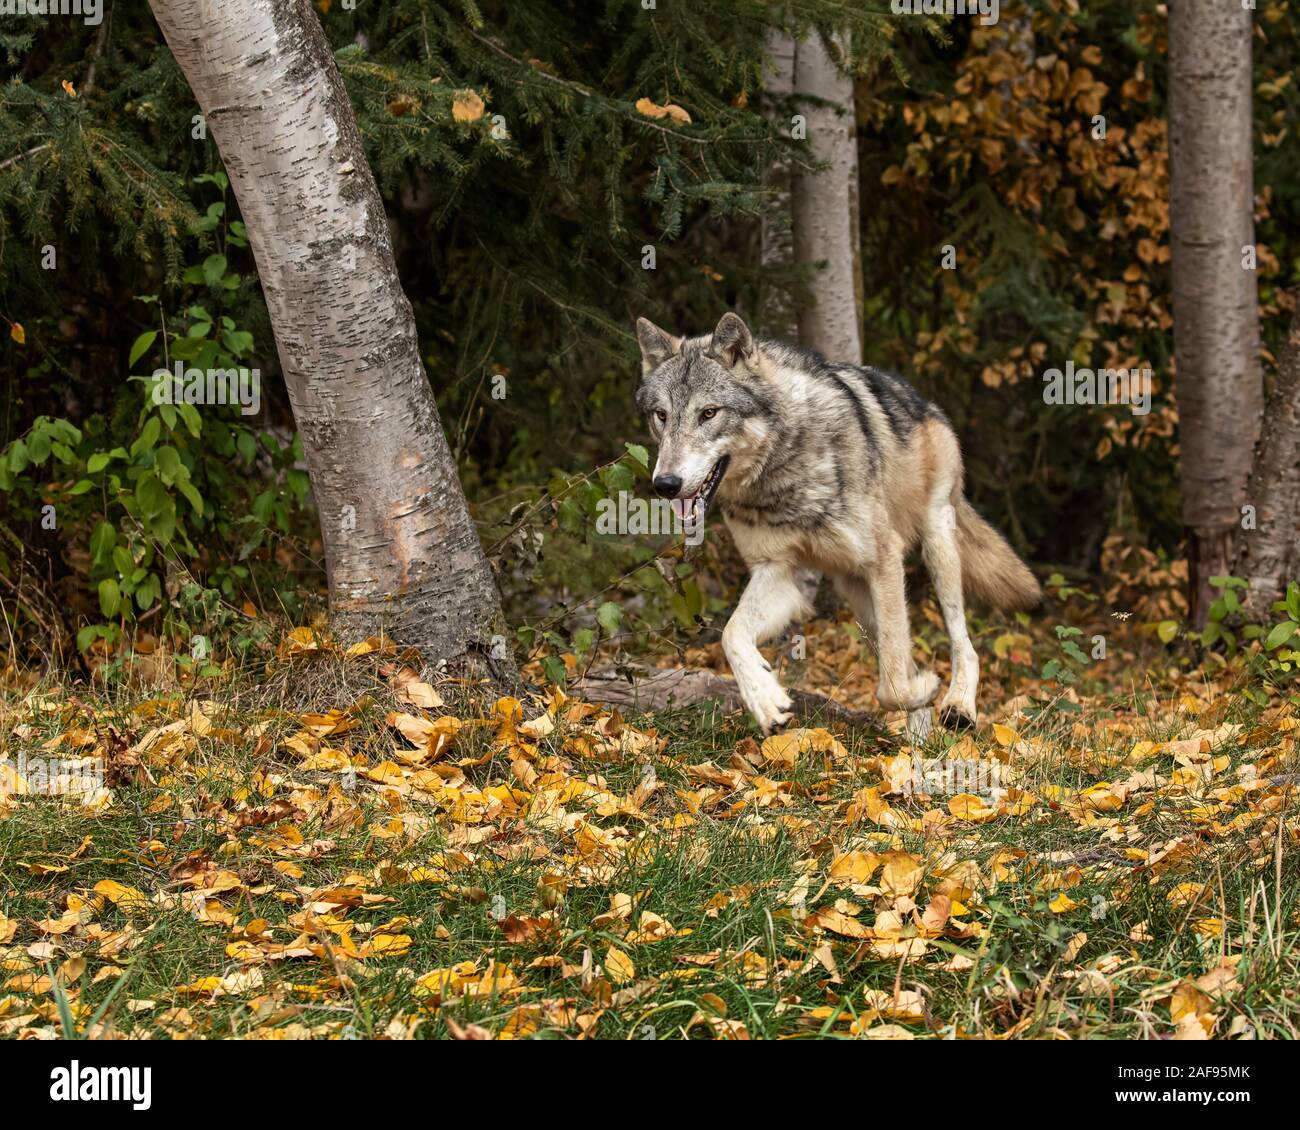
x=838, y=468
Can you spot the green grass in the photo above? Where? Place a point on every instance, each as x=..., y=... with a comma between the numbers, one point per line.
x=725, y=872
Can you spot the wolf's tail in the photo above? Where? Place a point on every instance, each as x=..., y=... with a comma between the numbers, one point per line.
x=990, y=570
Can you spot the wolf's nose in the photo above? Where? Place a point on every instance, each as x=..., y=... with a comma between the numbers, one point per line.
x=667, y=485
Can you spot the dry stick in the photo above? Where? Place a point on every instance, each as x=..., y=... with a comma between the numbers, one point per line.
x=22, y=156
x=660, y=688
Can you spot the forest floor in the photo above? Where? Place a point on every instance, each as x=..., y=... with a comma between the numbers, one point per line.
x=327, y=850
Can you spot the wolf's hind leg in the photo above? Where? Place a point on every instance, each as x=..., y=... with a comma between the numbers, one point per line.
x=770, y=601
x=854, y=590
x=882, y=596
x=943, y=559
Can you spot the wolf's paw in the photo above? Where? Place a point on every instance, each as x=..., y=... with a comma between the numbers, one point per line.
x=773, y=714
x=957, y=710
x=769, y=705
x=956, y=718
x=766, y=700
x=921, y=690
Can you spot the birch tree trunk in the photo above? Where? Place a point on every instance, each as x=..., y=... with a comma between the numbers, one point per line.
x=825, y=206
x=1216, y=324
x=777, y=315
x=1268, y=555
x=401, y=551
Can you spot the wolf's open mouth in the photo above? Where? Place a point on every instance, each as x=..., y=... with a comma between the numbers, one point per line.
x=692, y=508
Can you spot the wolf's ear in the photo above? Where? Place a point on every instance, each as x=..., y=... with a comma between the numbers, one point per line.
x=656, y=345
x=732, y=341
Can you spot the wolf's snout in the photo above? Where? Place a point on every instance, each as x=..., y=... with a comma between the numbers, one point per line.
x=667, y=486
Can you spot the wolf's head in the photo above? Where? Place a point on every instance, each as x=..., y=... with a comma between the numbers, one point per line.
x=704, y=400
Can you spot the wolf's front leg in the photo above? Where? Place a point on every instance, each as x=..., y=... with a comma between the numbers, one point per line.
x=770, y=601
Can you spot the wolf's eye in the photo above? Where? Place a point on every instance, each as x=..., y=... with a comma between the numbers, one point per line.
x=708, y=413
x=661, y=416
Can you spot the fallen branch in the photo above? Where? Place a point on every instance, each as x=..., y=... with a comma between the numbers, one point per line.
x=651, y=689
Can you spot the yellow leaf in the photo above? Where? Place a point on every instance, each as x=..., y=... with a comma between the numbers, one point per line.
x=837, y=922
x=69, y=89
x=652, y=110
x=1062, y=903
x=128, y=898
x=72, y=969
x=902, y=873
x=17, y=333
x=968, y=806
x=855, y=865
x=386, y=945
x=467, y=106
x=618, y=966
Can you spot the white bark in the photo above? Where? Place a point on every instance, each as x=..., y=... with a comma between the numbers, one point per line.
x=401, y=549
x=1268, y=556
x=1216, y=324
x=825, y=205
x=777, y=316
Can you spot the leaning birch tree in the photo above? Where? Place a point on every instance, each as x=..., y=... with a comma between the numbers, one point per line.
x=401, y=551
x=1216, y=320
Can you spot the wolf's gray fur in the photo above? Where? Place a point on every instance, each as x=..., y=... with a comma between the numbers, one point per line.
x=839, y=468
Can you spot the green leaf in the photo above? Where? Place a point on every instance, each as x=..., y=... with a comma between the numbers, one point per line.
x=214, y=267
x=639, y=454
x=38, y=446
x=97, y=462
x=1167, y=630
x=609, y=616
x=190, y=415
x=238, y=342
x=148, y=436
x=141, y=346
x=1281, y=633
x=619, y=477
x=102, y=541
x=151, y=495
x=81, y=487
x=169, y=464
x=109, y=597
x=163, y=524
x=195, y=499
x=553, y=668
x=1072, y=650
